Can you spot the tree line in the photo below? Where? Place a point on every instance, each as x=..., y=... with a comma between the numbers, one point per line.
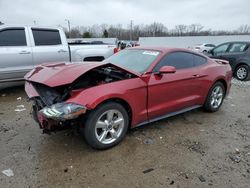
x=150, y=30
x=156, y=29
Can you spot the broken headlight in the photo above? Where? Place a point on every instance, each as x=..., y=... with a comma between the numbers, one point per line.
x=64, y=111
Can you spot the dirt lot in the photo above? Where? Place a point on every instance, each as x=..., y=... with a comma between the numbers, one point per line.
x=195, y=149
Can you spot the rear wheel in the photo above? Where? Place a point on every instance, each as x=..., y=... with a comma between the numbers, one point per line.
x=106, y=126
x=241, y=72
x=215, y=97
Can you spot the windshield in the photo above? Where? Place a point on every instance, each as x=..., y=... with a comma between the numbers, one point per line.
x=135, y=60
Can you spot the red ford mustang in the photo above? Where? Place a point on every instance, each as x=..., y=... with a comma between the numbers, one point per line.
x=129, y=89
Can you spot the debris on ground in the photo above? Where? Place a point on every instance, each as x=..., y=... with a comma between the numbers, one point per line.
x=65, y=170
x=3, y=95
x=20, y=108
x=8, y=172
x=148, y=170
x=160, y=137
x=197, y=147
x=148, y=141
x=19, y=98
x=185, y=175
x=232, y=105
x=235, y=158
x=201, y=178
x=172, y=182
x=194, y=146
x=237, y=150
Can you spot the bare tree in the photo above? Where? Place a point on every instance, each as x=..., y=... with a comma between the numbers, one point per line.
x=154, y=29
x=180, y=29
x=244, y=29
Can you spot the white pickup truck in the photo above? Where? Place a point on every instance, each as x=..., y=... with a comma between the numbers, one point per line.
x=24, y=47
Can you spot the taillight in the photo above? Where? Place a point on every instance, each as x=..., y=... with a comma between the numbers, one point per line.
x=115, y=50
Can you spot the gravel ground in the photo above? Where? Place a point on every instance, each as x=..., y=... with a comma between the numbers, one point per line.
x=195, y=149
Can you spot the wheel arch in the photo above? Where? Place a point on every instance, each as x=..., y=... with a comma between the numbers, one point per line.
x=121, y=101
x=223, y=81
x=241, y=63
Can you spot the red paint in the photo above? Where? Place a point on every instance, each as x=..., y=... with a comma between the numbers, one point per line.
x=149, y=95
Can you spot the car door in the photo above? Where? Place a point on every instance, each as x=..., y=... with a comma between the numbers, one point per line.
x=220, y=51
x=15, y=53
x=169, y=93
x=48, y=46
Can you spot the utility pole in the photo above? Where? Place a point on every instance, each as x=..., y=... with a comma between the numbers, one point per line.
x=68, y=26
x=131, y=30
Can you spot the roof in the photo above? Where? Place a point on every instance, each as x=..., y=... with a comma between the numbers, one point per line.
x=35, y=26
x=163, y=49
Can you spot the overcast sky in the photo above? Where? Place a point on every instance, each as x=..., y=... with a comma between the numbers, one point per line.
x=214, y=14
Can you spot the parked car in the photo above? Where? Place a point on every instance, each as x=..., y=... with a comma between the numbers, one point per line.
x=23, y=47
x=238, y=55
x=131, y=88
x=203, y=48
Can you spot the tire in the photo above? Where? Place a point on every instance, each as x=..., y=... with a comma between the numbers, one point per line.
x=215, y=97
x=241, y=72
x=112, y=127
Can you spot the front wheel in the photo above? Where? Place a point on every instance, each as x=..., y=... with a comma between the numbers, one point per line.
x=215, y=97
x=241, y=72
x=106, y=126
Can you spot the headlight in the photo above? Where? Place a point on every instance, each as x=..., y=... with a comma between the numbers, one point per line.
x=64, y=111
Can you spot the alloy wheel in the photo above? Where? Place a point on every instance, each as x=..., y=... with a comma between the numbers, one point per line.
x=109, y=126
x=217, y=96
x=241, y=73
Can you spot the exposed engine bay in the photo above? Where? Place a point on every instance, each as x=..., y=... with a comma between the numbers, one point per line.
x=98, y=76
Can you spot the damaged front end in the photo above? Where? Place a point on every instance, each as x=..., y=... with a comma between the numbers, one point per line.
x=50, y=107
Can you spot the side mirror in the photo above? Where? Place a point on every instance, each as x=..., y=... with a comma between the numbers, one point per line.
x=167, y=69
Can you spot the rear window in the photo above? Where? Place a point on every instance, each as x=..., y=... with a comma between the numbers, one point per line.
x=198, y=60
x=46, y=37
x=12, y=37
x=238, y=47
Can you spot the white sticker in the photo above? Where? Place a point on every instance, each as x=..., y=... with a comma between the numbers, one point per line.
x=154, y=53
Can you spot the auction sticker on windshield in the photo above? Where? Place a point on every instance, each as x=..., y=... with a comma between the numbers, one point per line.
x=153, y=53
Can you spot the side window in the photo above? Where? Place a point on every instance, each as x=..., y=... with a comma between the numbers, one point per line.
x=180, y=60
x=220, y=49
x=198, y=60
x=13, y=37
x=238, y=47
x=46, y=37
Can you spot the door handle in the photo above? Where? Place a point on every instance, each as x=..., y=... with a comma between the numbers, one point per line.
x=24, y=52
x=61, y=51
x=196, y=76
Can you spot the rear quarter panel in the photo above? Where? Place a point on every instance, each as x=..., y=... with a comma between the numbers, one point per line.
x=217, y=71
x=133, y=91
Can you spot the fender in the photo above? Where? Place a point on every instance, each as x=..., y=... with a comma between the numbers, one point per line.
x=133, y=91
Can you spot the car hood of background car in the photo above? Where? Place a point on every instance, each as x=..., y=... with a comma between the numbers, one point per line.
x=57, y=74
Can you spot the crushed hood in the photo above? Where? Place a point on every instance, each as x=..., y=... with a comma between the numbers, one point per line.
x=57, y=74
